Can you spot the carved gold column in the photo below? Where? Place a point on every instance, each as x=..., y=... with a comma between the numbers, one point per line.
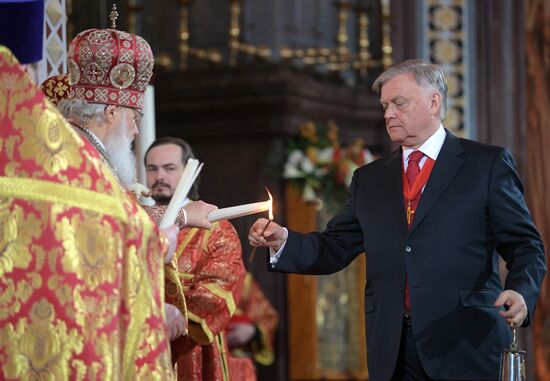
x=342, y=37
x=446, y=44
x=133, y=9
x=364, y=55
x=183, y=46
x=386, y=35
x=70, y=22
x=234, y=31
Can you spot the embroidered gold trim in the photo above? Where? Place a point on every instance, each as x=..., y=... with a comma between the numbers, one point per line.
x=264, y=354
x=140, y=311
x=186, y=241
x=41, y=190
x=223, y=355
x=171, y=276
x=224, y=294
x=199, y=331
x=246, y=286
x=8, y=55
x=207, y=234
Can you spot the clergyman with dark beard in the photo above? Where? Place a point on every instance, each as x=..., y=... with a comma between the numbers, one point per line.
x=163, y=173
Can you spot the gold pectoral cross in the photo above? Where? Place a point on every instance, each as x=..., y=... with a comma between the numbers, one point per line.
x=410, y=213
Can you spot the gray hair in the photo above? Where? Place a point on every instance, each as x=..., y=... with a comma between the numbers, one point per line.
x=81, y=112
x=425, y=74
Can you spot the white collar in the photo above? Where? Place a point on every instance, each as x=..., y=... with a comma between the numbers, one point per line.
x=430, y=147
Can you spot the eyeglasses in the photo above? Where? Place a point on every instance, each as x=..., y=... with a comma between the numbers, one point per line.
x=138, y=115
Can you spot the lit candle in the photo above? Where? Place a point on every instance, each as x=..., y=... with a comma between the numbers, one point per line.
x=239, y=211
x=190, y=173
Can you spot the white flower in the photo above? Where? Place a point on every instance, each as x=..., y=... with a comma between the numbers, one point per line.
x=291, y=172
x=295, y=157
x=307, y=166
x=308, y=194
x=325, y=155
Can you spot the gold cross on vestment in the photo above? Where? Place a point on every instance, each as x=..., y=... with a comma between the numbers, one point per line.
x=113, y=16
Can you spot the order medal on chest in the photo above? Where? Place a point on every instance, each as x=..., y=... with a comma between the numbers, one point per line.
x=412, y=192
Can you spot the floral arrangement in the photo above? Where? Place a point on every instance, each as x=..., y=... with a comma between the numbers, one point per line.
x=319, y=166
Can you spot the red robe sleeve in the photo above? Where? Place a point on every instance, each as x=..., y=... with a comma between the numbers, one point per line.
x=212, y=272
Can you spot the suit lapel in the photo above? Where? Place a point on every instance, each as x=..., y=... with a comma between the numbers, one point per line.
x=394, y=189
x=445, y=169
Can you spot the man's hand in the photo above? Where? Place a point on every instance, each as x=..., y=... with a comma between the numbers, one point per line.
x=197, y=214
x=140, y=190
x=516, y=309
x=171, y=233
x=240, y=333
x=177, y=325
x=274, y=236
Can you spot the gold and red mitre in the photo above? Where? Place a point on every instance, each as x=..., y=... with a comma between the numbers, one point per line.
x=110, y=66
x=56, y=88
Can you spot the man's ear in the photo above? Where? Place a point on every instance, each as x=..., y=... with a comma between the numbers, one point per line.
x=110, y=113
x=435, y=103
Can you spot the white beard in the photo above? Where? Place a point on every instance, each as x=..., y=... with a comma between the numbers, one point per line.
x=119, y=148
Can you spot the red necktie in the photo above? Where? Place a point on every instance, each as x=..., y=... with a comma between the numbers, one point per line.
x=413, y=169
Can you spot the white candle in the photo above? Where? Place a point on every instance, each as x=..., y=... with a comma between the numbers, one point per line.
x=239, y=211
x=187, y=179
x=146, y=135
x=188, y=201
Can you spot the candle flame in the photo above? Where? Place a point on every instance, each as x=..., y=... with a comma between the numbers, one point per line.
x=270, y=204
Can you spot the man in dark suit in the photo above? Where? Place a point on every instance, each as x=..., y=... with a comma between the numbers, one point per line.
x=432, y=218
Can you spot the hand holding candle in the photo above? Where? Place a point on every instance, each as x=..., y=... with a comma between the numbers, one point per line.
x=190, y=173
x=197, y=213
x=253, y=254
x=273, y=236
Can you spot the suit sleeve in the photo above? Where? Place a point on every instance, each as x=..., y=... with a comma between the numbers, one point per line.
x=327, y=252
x=516, y=236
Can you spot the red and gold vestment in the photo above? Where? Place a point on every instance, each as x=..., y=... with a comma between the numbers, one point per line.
x=173, y=289
x=212, y=272
x=81, y=280
x=255, y=308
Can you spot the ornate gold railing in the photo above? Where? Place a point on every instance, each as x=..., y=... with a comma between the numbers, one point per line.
x=343, y=58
